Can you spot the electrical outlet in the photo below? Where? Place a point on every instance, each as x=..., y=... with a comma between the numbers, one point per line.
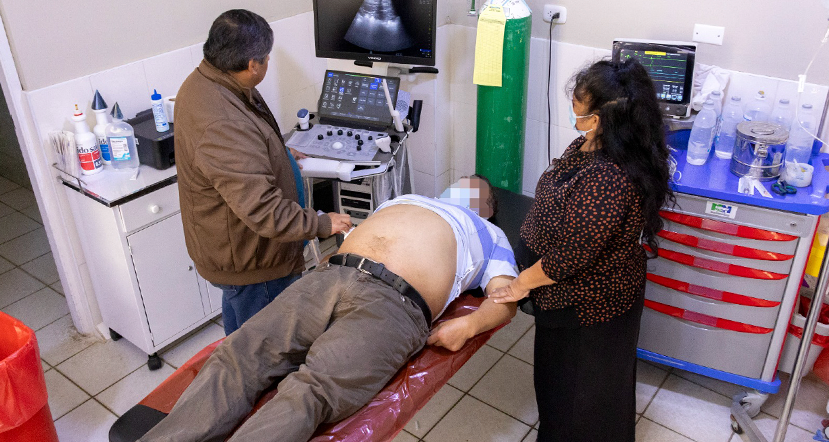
x=550, y=10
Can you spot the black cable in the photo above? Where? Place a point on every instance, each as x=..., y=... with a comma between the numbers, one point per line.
x=549, y=68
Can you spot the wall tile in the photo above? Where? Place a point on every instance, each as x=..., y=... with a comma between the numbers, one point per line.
x=126, y=85
x=464, y=137
x=292, y=58
x=746, y=86
x=567, y=59
x=535, y=153
x=443, y=181
x=166, y=72
x=537, y=88
x=52, y=106
x=196, y=54
x=463, y=58
x=424, y=184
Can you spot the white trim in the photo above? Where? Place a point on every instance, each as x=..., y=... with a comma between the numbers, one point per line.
x=45, y=188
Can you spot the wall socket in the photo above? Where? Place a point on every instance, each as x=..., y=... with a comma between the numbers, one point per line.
x=550, y=10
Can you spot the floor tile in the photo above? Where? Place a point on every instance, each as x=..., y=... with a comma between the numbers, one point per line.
x=46, y=367
x=648, y=380
x=43, y=268
x=505, y=338
x=404, y=437
x=14, y=225
x=16, y=285
x=649, y=431
x=19, y=198
x=691, y=410
x=523, y=349
x=475, y=368
x=508, y=386
x=434, y=410
x=26, y=247
x=7, y=186
x=185, y=350
x=768, y=425
x=39, y=309
x=488, y=424
x=64, y=396
x=88, y=423
x=532, y=436
x=724, y=388
x=103, y=364
x=33, y=212
x=809, y=406
x=60, y=341
x=58, y=287
x=5, y=210
x=5, y=266
x=127, y=392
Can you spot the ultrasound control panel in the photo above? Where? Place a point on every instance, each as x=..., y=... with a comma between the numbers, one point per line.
x=337, y=142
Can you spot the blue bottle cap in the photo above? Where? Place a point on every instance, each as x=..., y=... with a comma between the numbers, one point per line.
x=155, y=95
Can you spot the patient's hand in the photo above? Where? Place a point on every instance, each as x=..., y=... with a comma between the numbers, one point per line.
x=451, y=334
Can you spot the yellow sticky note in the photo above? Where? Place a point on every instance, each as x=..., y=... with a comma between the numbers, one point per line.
x=489, y=47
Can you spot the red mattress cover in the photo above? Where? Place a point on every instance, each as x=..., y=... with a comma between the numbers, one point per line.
x=389, y=411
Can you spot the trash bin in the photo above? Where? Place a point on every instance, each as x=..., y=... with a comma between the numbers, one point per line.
x=24, y=407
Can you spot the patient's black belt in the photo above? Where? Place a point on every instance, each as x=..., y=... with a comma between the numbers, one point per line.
x=380, y=272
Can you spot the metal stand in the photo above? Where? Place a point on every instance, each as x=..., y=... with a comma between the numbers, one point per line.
x=740, y=419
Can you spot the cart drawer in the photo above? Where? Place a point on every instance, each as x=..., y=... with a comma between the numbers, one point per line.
x=759, y=316
x=738, y=352
x=781, y=267
x=784, y=247
x=767, y=289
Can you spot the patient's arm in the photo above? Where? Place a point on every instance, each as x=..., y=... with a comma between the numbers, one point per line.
x=454, y=333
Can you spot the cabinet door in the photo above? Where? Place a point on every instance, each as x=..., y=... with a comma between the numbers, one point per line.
x=214, y=295
x=166, y=277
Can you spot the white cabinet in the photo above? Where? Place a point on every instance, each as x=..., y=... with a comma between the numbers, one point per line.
x=146, y=285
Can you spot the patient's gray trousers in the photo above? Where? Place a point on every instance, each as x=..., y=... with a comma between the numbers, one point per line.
x=337, y=333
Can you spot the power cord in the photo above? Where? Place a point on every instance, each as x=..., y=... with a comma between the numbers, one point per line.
x=549, y=68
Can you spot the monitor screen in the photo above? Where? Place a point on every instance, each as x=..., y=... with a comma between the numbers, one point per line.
x=356, y=98
x=395, y=31
x=671, y=67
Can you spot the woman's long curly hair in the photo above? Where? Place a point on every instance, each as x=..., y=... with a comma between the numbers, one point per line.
x=631, y=132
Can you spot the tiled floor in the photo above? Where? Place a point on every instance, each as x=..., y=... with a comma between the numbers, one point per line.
x=91, y=383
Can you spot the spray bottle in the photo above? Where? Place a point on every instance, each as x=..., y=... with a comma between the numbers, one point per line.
x=86, y=144
x=121, y=139
x=99, y=106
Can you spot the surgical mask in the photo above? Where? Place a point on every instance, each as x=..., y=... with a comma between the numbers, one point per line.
x=574, y=118
x=460, y=196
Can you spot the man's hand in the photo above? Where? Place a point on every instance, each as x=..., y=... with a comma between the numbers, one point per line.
x=340, y=222
x=451, y=334
x=509, y=293
x=297, y=156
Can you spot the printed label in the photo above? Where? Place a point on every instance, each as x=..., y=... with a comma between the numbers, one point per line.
x=120, y=148
x=720, y=209
x=102, y=144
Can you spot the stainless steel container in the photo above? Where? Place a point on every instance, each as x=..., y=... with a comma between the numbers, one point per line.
x=759, y=150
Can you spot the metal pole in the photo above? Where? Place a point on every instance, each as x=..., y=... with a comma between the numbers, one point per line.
x=805, y=342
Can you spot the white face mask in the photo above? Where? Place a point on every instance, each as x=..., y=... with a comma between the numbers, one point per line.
x=574, y=118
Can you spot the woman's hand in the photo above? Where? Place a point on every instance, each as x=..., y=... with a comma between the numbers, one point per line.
x=510, y=293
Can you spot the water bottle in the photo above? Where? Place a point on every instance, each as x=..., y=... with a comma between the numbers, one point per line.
x=758, y=110
x=799, y=146
x=782, y=114
x=716, y=97
x=732, y=115
x=702, y=133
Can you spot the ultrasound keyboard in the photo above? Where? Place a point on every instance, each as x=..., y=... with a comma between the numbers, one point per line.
x=337, y=142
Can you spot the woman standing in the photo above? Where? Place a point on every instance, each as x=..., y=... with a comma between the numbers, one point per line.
x=582, y=257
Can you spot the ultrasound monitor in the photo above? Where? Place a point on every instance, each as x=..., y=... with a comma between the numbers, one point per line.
x=671, y=67
x=395, y=31
x=357, y=100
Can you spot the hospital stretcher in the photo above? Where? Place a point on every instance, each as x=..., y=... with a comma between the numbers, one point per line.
x=379, y=420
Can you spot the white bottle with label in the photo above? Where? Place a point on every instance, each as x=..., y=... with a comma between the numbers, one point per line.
x=99, y=106
x=121, y=139
x=159, y=116
x=86, y=145
x=702, y=134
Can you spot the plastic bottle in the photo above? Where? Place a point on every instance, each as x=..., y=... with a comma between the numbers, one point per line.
x=716, y=97
x=702, y=134
x=86, y=145
x=782, y=114
x=732, y=115
x=799, y=146
x=759, y=109
x=158, y=112
x=121, y=140
x=99, y=106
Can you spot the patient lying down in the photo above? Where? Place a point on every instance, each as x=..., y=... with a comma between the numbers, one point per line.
x=341, y=332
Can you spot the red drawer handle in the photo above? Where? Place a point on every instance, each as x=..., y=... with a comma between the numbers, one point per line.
x=705, y=292
x=699, y=318
x=726, y=228
x=716, y=266
x=721, y=247
x=817, y=339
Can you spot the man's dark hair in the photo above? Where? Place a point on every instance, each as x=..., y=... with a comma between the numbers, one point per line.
x=236, y=37
x=492, y=200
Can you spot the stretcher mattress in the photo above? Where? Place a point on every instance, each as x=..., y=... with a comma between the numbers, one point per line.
x=379, y=420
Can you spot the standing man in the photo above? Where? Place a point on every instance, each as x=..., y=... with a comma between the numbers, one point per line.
x=242, y=202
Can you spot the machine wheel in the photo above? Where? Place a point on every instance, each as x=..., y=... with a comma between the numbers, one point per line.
x=735, y=427
x=114, y=335
x=154, y=361
x=753, y=401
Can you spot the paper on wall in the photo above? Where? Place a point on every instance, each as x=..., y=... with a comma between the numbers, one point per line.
x=489, y=47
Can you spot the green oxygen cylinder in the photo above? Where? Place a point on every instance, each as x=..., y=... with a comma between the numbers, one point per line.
x=502, y=111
